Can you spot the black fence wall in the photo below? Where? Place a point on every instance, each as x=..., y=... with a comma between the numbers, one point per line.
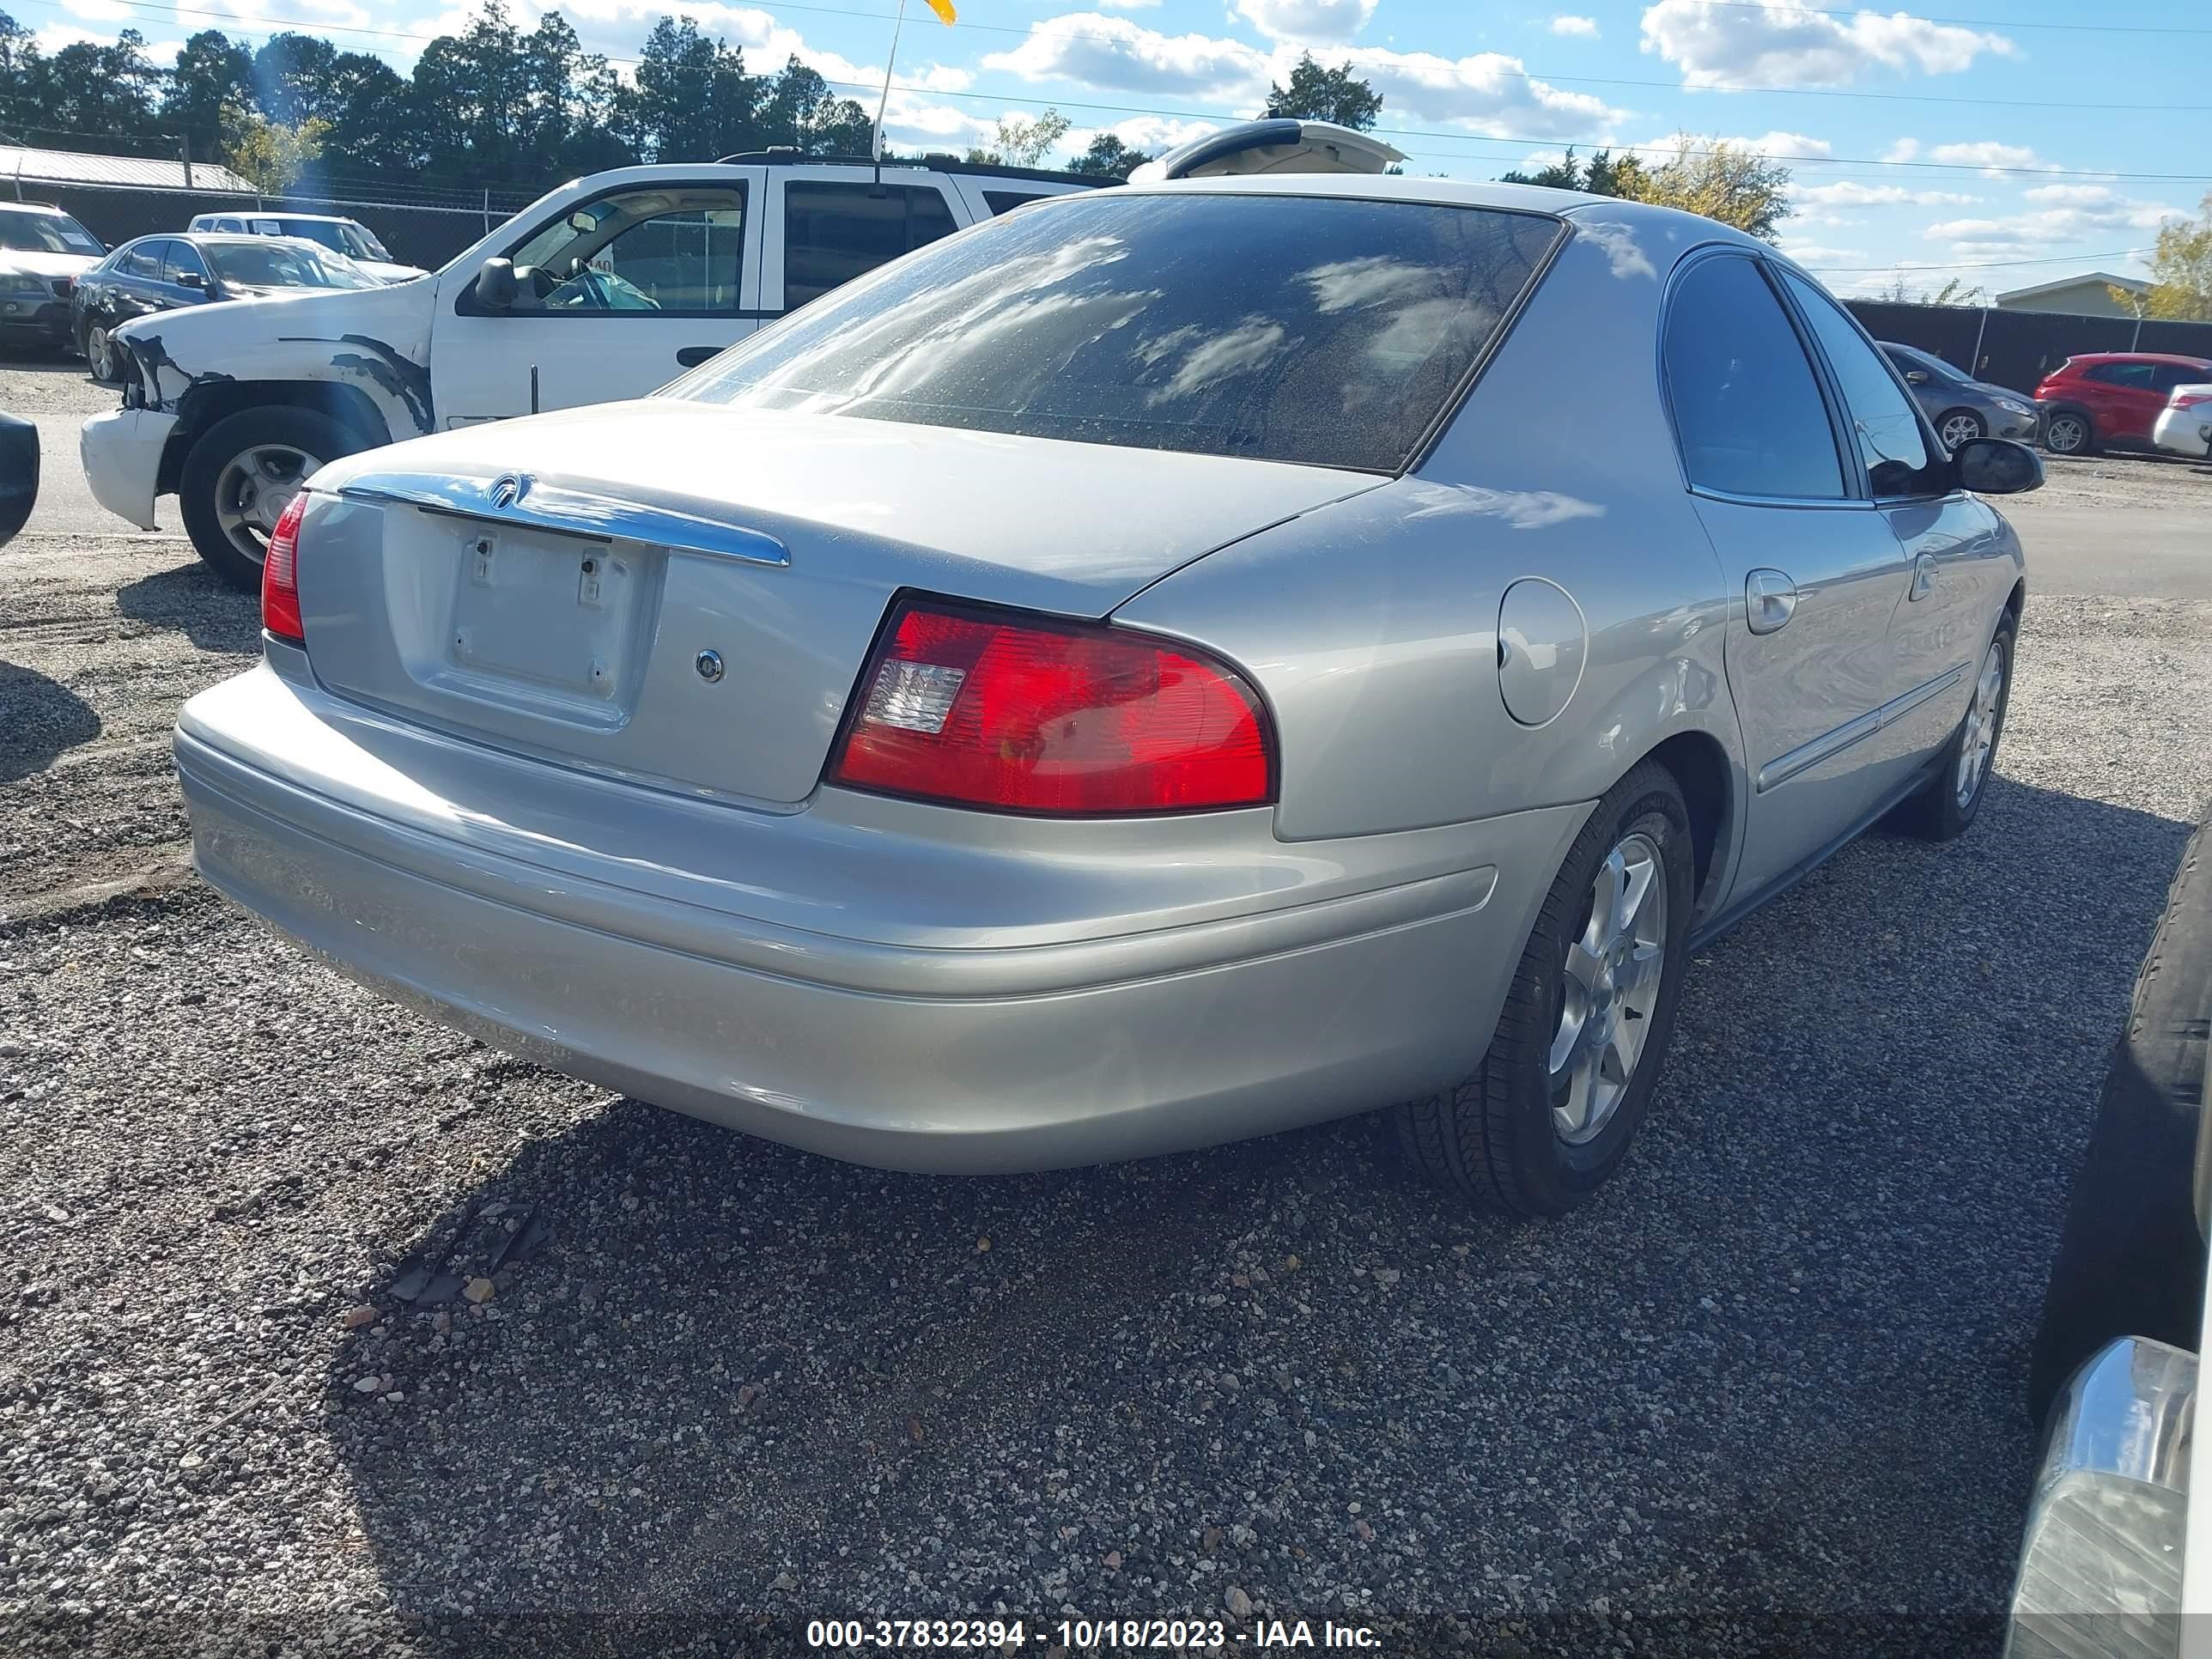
x=2017, y=348
x=422, y=236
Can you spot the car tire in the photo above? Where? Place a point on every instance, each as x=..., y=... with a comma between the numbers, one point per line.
x=100, y=352
x=1957, y=426
x=239, y=472
x=2131, y=1257
x=1508, y=1138
x=2069, y=431
x=1946, y=807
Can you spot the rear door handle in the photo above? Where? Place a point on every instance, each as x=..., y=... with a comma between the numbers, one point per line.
x=692, y=356
x=1924, y=577
x=1770, y=599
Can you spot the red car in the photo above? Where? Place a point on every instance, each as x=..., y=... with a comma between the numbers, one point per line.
x=2110, y=397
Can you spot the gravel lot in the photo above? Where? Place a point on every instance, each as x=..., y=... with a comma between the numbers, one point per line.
x=1771, y=1381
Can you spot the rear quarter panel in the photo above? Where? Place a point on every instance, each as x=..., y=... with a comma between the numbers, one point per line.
x=1372, y=626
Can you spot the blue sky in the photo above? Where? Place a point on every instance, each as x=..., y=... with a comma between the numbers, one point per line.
x=1959, y=140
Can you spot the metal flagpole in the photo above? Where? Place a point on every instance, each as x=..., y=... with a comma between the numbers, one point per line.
x=883, y=103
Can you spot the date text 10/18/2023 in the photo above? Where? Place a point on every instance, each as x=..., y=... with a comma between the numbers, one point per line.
x=1083, y=1635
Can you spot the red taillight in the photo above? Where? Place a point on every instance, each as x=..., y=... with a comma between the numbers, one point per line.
x=2189, y=400
x=1039, y=716
x=280, y=574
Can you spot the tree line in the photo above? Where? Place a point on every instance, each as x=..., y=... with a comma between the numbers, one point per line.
x=501, y=107
x=494, y=106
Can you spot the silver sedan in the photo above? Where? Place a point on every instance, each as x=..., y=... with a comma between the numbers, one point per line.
x=1161, y=666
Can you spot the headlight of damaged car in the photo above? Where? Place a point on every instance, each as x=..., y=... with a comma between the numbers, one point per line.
x=2012, y=408
x=18, y=284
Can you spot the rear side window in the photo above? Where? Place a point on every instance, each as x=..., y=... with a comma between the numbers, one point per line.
x=1883, y=419
x=2167, y=376
x=145, y=260
x=1005, y=201
x=1334, y=331
x=834, y=232
x=2134, y=375
x=1747, y=407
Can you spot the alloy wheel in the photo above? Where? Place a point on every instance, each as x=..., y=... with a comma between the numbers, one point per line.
x=1610, y=989
x=252, y=490
x=2065, y=434
x=99, y=353
x=1959, y=429
x=1981, y=734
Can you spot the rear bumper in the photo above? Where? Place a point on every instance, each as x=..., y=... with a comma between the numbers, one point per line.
x=2185, y=432
x=121, y=451
x=1105, y=1007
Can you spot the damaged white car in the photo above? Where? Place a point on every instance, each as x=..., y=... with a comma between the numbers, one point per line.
x=606, y=289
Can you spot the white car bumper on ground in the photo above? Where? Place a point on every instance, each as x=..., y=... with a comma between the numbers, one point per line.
x=2185, y=429
x=121, y=452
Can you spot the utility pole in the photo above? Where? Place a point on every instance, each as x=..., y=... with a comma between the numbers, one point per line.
x=184, y=149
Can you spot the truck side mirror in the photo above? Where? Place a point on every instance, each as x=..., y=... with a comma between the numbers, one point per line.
x=495, y=284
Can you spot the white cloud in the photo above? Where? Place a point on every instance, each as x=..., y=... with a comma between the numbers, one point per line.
x=1903, y=150
x=1117, y=55
x=1129, y=5
x=1786, y=146
x=1779, y=42
x=1313, y=22
x=1155, y=135
x=1813, y=254
x=1585, y=28
x=309, y=14
x=1487, y=93
x=1846, y=193
x=2083, y=196
x=2071, y=214
x=1987, y=154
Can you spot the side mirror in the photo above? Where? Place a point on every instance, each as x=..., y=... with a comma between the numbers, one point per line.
x=1916, y=377
x=496, y=288
x=1996, y=466
x=19, y=474
x=191, y=279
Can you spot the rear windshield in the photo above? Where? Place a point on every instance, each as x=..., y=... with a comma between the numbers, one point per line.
x=1325, y=331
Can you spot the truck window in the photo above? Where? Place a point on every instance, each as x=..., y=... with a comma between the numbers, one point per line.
x=668, y=248
x=832, y=232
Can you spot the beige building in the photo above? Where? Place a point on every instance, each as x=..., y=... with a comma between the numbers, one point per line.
x=2086, y=295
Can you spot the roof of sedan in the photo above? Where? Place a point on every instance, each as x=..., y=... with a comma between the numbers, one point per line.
x=1570, y=204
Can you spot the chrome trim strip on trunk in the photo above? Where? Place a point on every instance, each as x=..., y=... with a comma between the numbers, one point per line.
x=1829, y=744
x=519, y=499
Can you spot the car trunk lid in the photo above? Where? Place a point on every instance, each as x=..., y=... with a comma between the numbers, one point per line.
x=685, y=594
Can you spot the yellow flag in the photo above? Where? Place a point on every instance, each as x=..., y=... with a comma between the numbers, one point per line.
x=946, y=15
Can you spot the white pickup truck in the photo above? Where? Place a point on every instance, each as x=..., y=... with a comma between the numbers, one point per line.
x=604, y=288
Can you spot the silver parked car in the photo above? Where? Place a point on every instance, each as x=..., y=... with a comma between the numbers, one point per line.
x=1158, y=667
